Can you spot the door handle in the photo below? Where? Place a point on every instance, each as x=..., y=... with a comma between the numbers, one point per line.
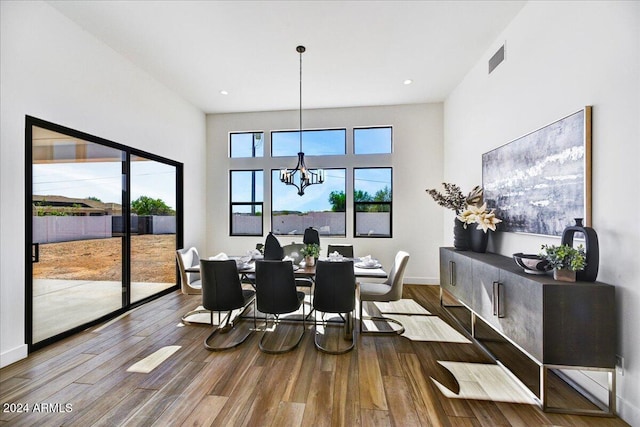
x=35, y=252
x=452, y=273
x=497, y=300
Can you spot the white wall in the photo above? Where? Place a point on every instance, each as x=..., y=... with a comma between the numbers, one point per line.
x=561, y=56
x=52, y=69
x=416, y=161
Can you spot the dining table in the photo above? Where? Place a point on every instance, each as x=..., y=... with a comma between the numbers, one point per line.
x=362, y=268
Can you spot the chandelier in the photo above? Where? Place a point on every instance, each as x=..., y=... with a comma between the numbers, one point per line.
x=301, y=177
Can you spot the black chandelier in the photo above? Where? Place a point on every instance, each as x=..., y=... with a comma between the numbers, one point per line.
x=301, y=173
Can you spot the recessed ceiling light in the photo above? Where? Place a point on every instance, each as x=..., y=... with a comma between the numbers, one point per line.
x=224, y=92
x=408, y=81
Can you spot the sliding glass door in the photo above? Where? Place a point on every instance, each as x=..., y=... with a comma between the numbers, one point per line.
x=103, y=229
x=153, y=227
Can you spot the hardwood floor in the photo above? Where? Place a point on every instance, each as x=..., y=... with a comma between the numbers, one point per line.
x=386, y=380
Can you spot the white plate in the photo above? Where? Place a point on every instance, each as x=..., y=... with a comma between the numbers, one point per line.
x=363, y=265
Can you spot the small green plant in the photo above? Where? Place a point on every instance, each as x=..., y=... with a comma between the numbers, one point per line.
x=311, y=249
x=565, y=256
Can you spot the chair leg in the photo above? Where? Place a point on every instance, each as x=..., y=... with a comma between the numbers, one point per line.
x=228, y=327
x=265, y=349
x=184, y=320
x=348, y=335
x=393, y=331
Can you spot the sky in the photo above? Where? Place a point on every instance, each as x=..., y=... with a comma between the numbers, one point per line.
x=104, y=180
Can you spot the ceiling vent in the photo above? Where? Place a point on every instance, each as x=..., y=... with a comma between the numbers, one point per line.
x=496, y=59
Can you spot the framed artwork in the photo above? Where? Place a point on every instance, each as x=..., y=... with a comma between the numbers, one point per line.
x=541, y=181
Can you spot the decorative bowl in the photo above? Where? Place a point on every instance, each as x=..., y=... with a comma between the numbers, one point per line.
x=531, y=263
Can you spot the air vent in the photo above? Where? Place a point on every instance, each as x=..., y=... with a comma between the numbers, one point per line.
x=496, y=59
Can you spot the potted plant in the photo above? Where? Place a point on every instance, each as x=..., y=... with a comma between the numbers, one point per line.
x=310, y=251
x=565, y=261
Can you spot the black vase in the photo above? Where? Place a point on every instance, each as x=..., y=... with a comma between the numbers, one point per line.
x=460, y=236
x=591, y=249
x=478, y=240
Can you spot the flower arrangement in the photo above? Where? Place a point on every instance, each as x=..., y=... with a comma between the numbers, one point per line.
x=454, y=199
x=467, y=208
x=485, y=219
x=565, y=257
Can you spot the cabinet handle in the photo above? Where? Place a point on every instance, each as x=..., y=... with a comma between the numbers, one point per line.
x=452, y=273
x=498, y=294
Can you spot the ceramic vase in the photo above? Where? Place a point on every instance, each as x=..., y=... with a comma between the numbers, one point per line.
x=309, y=261
x=460, y=236
x=591, y=249
x=478, y=239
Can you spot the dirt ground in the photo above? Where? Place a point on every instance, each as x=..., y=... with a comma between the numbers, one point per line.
x=152, y=259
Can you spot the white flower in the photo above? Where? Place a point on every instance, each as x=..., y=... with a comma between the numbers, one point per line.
x=485, y=220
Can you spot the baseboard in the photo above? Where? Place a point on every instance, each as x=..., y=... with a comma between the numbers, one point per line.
x=421, y=280
x=13, y=355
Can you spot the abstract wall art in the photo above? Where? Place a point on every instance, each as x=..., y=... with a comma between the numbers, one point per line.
x=540, y=182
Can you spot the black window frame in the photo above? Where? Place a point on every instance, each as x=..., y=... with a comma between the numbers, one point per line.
x=346, y=171
x=344, y=130
x=31, y=254
x=231, y=156
x=355, y=129
x=232, y=203
x=356, y=204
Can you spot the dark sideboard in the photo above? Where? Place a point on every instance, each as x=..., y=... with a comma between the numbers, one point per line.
x=558, y=325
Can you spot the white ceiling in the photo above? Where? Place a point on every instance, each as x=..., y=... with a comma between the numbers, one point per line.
x=358, y=52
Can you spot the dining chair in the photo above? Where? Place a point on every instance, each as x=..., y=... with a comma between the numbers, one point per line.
x=311, y=235
x=390, y=290
x=276, y=294
x=335, y=292
x=190, y=283
x=344, y=250
x=272, y=248
x=222, y=292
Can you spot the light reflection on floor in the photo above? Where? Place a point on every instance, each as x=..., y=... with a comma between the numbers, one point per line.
x=480, y=381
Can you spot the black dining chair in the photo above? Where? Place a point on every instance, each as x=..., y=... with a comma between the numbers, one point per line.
x=276, y=294
x=272, y=248
x=222, y=292
x=311, y=235
x=335, y=292
x=344, y=250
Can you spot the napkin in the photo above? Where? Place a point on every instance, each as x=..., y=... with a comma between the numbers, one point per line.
x=220, y=257
x=367, y=260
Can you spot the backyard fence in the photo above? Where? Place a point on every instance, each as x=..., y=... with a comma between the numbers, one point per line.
x=52, y=229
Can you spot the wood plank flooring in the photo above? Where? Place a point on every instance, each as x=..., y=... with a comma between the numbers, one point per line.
x=385, y=381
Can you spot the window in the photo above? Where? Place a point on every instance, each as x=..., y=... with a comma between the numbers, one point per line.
x=372, y=140
x=324, y=142
x=372, y=198
x=246, y=202
x=321, y=207
x=247, y=144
